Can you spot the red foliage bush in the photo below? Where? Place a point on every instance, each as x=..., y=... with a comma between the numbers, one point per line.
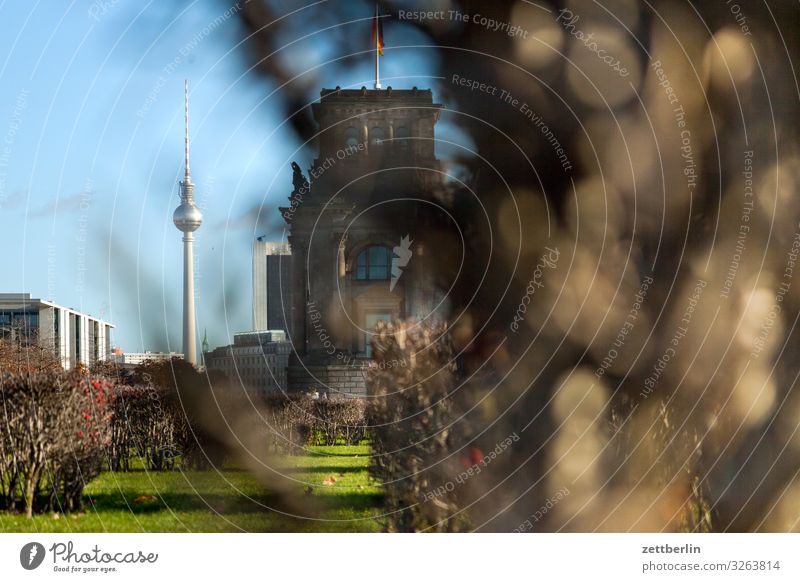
x=55, y=429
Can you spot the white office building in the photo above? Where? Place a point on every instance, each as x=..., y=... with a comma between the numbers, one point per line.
x=137, y=358
x=75, y=337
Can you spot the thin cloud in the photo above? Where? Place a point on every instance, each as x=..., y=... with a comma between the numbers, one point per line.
x=62, y=205
x=14, y=200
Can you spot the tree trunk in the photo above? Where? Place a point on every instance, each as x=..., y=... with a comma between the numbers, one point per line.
x=30, y=489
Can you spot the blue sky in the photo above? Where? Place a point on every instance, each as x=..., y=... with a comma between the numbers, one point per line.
x=91, y=150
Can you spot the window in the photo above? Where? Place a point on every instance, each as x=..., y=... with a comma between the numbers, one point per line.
x=77, y=323
x=351, y=137
x=373, y=264
x=376, y=135
x=401, y=136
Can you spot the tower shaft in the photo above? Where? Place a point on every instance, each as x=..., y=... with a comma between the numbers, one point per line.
x=189, y=332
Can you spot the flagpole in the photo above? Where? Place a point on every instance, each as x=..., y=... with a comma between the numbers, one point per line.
x=377, y=50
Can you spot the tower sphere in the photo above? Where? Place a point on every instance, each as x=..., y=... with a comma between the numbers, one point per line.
x=187, y=217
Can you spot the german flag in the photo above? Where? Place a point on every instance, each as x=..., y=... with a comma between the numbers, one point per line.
x=377, y=31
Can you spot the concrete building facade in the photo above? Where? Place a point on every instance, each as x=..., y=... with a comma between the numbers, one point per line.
x=256, y=361
x=138, y=358
x=75, y=337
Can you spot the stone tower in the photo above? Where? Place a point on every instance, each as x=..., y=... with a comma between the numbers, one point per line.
x=357, y=237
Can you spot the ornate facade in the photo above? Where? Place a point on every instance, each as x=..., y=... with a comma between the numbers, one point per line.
x=358, y=231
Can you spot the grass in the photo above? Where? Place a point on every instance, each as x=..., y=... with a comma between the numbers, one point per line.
x=228, y=501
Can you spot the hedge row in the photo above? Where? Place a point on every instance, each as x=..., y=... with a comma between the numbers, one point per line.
x=59, y=429
x=146, y=425
x=292, y=422
x=150, y=425
x=55, y=430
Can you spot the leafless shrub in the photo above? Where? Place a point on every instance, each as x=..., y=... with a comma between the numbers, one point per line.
x=411, y=418
x=22, y=352
x=147, y=426
x=54, y=433
x=294, y=421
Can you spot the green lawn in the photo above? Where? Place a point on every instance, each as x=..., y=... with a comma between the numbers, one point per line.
x=207, y=501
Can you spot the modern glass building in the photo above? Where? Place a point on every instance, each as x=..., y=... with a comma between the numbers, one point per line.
x=75, y=337
x=272, y=289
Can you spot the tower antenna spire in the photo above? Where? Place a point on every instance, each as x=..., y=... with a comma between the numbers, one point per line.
x=186, y=91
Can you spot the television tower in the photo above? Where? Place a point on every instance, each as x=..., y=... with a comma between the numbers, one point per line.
x=187, y=219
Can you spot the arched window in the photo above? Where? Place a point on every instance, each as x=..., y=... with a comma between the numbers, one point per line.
x=374, y=264
x=351, y=137
x=401, y=135
x=375, y=135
